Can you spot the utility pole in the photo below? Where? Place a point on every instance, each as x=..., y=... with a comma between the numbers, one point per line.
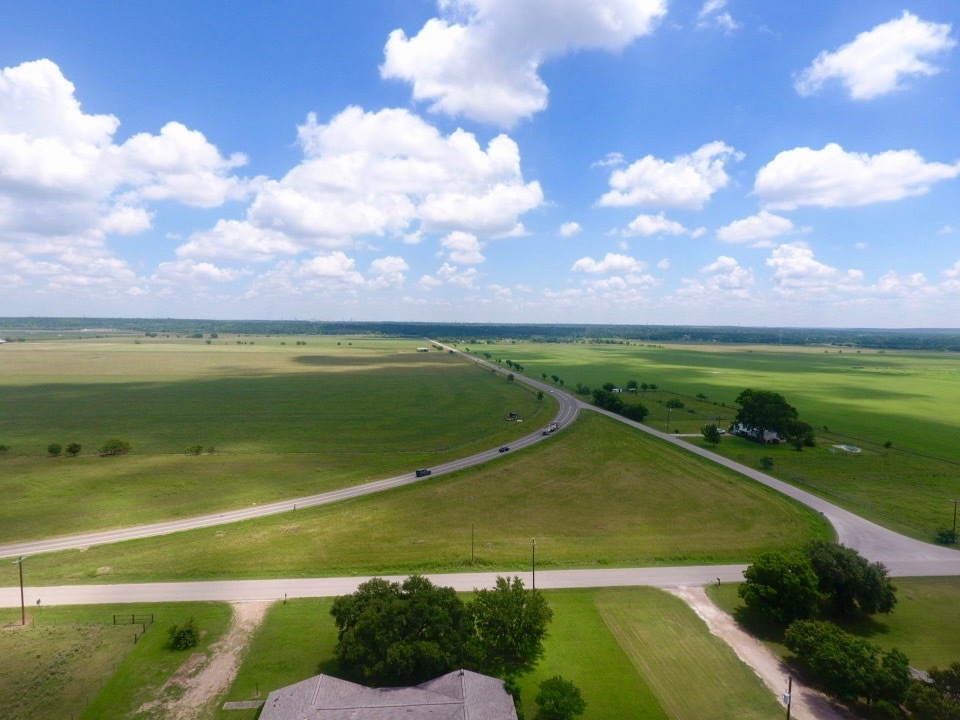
x=955, y=520
x=23, y=608
x=533, y=560
x=788, y=696
x=471, y=543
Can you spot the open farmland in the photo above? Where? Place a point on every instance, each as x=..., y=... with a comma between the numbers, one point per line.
x=275, y=419
x=862, y=398
x=598, y=494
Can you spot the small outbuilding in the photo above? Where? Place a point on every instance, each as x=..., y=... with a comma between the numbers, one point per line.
x=459, y=695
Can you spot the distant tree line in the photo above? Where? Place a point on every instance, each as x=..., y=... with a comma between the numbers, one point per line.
x=892, y=339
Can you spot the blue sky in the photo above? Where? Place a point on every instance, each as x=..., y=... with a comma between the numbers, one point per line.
x=623, y=161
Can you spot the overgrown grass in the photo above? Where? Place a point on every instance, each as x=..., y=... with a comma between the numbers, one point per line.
x=598, y=494
x=282, y=421
x=863, y=398
x=925, y=625
x=75, y=663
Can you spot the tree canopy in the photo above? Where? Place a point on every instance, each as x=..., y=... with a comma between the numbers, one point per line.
x=559, y=699
x=764, y=410
x=781, y=586
x=848, y=583
x=393, y=634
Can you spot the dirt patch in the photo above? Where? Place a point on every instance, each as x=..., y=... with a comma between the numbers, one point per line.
x=807, y=703
x=201, y=680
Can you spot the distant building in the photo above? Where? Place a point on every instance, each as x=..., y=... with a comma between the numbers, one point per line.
x=748, y=431
x=460, y=695
x=423, y=349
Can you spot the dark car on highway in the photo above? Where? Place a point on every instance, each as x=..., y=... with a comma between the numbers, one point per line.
x=504, y=448
x=423, y=473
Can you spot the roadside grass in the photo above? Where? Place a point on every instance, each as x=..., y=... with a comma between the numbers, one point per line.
x=74, y=663
x=597, y=494
x=925, y=624
x=862, y=398
x=281, y=421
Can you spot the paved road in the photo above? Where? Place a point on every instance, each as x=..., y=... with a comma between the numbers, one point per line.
x=569, y=408
x=241, y=590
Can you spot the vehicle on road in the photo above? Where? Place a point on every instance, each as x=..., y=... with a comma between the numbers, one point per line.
x=551, y=428
x=504, y=448
x=423, y=472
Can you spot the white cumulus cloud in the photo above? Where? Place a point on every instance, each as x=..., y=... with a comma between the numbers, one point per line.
x=569, y=229
x=757, y=230
x=688, y=181
x=463, y=248
x=647, y=225
x=481, y=58
x=611, y=263
x=833, y=177
x=877, y=61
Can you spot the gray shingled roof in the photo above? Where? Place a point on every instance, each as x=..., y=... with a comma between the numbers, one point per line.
x=460, y=695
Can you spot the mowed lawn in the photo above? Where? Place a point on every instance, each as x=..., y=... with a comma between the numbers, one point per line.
x=596, y=494
x=275, y=421
x=925, y=624
x=865, y=399
x=633, y=652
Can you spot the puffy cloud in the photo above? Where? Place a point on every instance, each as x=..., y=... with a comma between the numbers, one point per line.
x=757, y=230
x=328, y=275
x=611, y=263
x=450, y=275
x=797, y=272
x=877, y=60
x=388, y=271
x=238, y=240
x=481, y=57
x=688, y=181
x=569, y=229
x=647, y=225
x=723, y=279
x=66, y=184
x=188, y=271
x=463, y=248
x=833, y=177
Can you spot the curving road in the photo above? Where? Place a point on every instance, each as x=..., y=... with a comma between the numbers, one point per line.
x=569, y=408
x=903, y=556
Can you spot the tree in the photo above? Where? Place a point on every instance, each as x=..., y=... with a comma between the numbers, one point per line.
x=539, y=395
x=73, y=449
x=674, y=404
x=509, y=377
x=114, y=447
x=632, y=385
x=609, y=387
x=766, y=462
x=510, y=624
x=848, y=583
x=559, y=699
x=781, y=586
x=939, y=699
x=849, y=668
x=711, y=434
x=184, y=637
x=4, y=449
x=763, y=411
x=54, y=449
x=400, y=633
x=193, y=450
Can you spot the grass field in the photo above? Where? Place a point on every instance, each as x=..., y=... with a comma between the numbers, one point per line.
x=925, y=625
x=598, y=494
x=74, y=663
x=864, y=398
x=633, y=652
x=281, y=421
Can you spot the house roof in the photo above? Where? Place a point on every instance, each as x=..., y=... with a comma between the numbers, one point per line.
x=459, y=695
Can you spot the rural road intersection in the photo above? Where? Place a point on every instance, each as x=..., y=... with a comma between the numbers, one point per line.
x=903, y=556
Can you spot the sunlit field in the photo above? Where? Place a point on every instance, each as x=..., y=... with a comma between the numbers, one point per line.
x=897, y=407
x=272, y=418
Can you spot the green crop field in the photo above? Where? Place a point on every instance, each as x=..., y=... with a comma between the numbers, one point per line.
x=597, y=494
x=860, y=398
x=925, y=624
x=275, y=421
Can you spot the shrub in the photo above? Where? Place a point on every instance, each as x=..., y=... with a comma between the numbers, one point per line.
x=674, y=403
x=194, y=450
x=4, y=449
x=114, y=447
x=946, y=536
x=559, y=699
x=73, y=449
x=54, y=449
x=184, y=637
x=766, y=462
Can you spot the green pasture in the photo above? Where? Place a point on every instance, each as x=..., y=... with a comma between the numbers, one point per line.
x=925, y=624
x=597, y=494
x=861, y=398
x=275, y=421
x=72, y=662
